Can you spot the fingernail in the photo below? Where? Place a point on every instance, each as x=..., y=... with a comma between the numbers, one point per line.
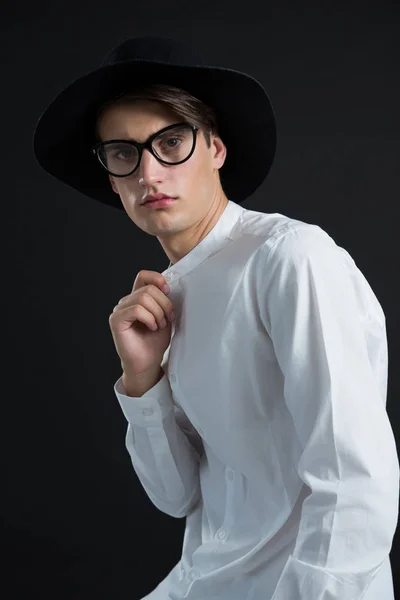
x=166, y=289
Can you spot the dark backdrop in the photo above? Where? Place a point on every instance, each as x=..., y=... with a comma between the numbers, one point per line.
x=76, y=522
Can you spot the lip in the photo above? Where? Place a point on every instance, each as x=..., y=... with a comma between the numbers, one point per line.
x=163, y=203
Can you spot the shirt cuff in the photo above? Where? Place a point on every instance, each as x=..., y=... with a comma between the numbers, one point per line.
x=149, y=409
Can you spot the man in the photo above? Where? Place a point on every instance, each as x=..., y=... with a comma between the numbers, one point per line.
x=267, y=429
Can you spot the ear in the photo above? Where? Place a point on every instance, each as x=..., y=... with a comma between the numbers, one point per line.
x=219, y=151
x=112, y=181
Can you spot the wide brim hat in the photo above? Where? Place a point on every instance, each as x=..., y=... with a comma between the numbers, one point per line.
x=65, y=132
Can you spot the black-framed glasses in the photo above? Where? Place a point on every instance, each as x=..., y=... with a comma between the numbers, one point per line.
x=171, y=145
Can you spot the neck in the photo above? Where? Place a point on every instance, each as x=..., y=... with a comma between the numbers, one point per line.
x=179, y=244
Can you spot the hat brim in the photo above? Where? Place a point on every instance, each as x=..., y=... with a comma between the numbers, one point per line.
x=65, y=132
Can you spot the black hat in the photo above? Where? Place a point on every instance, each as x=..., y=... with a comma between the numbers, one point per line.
x=65, y=132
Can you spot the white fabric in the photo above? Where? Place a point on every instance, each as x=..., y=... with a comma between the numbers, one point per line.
x=269, y=430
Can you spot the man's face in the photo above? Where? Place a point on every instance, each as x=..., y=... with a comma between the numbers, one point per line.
x=195, y=183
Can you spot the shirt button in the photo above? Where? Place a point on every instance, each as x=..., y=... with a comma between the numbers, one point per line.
x=147, y=411
x=172, y=377
x=169, y=275
x=194, y=574
x=222, y=534
x=230, y=475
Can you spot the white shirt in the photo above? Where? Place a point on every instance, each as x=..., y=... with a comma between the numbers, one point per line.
x=269, y=429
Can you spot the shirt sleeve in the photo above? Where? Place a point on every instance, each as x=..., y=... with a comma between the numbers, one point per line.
x=164, y=448
x=337, y=401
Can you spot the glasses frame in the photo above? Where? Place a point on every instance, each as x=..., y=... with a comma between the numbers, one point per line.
x=146, y=145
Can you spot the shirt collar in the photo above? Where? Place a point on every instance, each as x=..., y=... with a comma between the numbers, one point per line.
x=219, y=235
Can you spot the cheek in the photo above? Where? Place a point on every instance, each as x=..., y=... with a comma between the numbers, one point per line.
x=194, y=173
x=128, y=188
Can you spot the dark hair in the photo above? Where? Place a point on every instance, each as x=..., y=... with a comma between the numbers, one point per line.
x=181, y=102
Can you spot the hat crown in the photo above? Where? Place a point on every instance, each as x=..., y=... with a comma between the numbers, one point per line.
x=153, y=49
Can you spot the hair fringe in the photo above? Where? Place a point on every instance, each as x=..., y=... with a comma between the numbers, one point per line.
x=181, y=102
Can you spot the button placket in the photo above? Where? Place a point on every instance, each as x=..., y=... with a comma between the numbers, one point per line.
x=169, y=276
x=222, y=534
x=194, y=574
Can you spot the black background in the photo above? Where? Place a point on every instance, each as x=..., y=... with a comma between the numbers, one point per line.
x=76, y=522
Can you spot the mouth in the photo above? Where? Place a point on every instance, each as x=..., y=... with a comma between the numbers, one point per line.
x=163, y=203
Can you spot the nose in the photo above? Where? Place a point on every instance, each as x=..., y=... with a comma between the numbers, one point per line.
x=150, y=169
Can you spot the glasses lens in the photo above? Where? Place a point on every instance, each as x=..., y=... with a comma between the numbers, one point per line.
x=171, y=146
x=174, y=145
x=119, y=157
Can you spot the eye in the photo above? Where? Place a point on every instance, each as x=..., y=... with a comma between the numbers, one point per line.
x=129, y=152
x=174, y=139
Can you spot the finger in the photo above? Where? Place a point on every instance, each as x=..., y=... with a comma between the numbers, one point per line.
x=150, y=303
x=162, y=300
x=153, y=305
x=143, y=315
x=136, y=313
x=156, y=293
x=124, y=301
x=149, y=278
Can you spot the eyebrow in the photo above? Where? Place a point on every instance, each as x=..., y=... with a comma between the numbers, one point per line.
x=131, y=139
